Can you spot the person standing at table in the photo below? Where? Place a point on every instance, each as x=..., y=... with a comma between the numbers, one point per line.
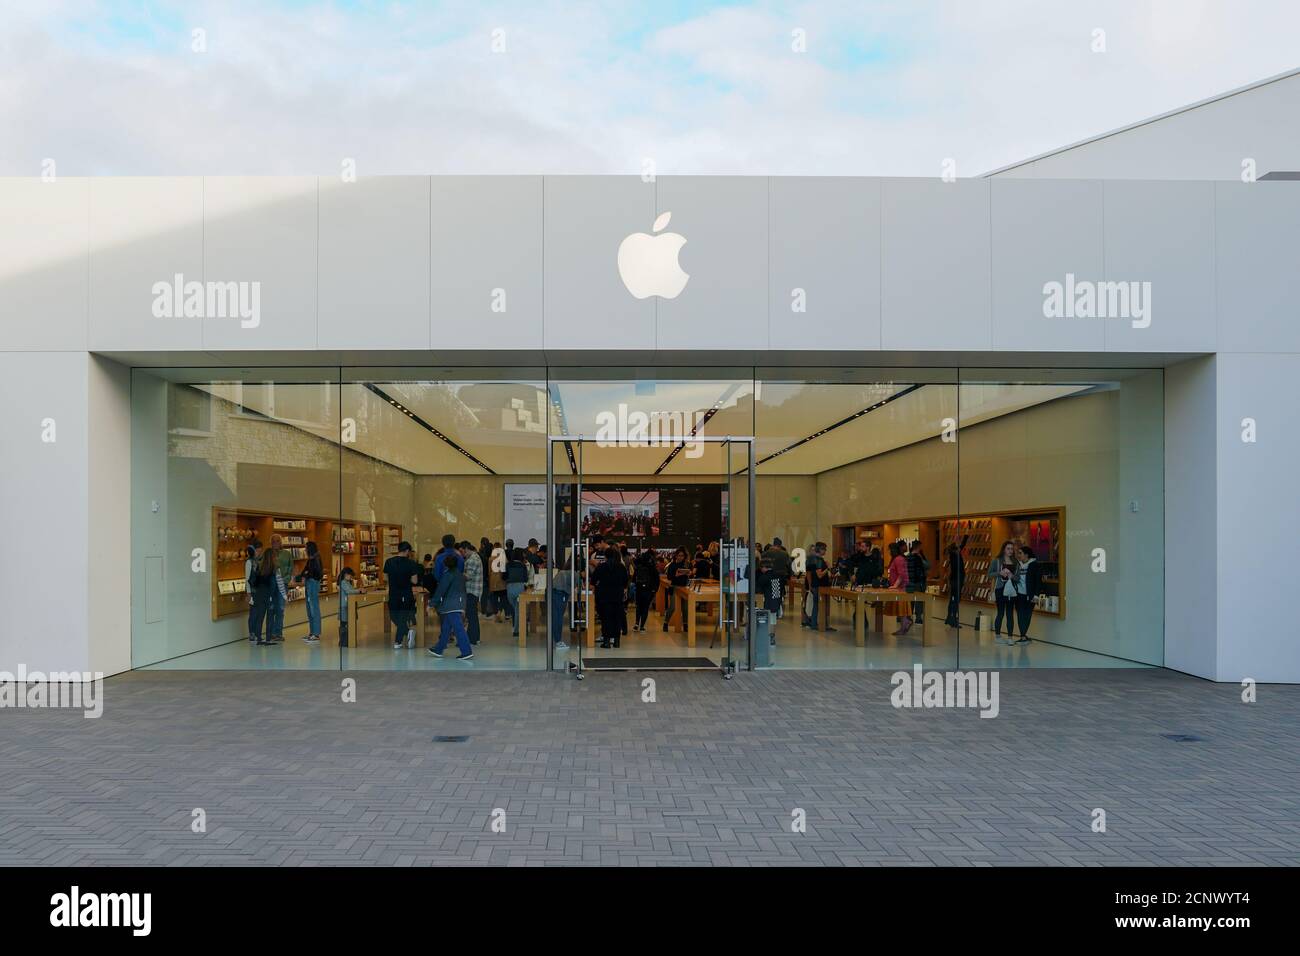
x=678, y=573
x=898, y=580
x=516, y=576
x=647, y=585
x=918, y=571
x=497, y=580
x=818, y=575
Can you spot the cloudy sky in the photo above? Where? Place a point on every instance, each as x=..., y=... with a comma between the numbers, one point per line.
x=881, y=87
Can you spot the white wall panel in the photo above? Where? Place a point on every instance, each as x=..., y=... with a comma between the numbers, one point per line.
x=374, y=263
x=143, y=231
x=1258, y=259
x=587, y=305
x=824, y=240
x=44, y=248
x=487, y=236
x=1042, y=230
x=935, y=266
x=724, y=303
x=1163, y=233
x=263, y=229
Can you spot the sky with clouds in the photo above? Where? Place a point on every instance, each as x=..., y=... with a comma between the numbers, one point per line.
x=882, y=87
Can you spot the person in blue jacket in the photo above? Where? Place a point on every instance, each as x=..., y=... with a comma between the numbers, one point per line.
x=449, y=601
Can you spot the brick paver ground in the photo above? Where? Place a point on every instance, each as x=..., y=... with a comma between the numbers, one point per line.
x=587, y=773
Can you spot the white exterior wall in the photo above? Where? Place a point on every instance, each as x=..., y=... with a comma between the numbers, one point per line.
x=892, y=270
x=1207, y=142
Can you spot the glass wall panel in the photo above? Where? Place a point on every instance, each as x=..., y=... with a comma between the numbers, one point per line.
x=1069, y=463
x=223, y=460
x=435, y=453
x=856, y=466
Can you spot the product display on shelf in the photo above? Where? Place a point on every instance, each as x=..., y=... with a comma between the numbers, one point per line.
x=234, y=529
x=1042, y=529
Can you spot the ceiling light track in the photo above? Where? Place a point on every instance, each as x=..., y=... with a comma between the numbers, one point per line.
x=425, y=425
x=843, y=421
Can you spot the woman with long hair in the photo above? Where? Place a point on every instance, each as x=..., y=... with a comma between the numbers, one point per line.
x=898, y=579
x=1002, y=576
x=647, y=585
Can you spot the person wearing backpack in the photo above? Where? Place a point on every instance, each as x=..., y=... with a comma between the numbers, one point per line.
x=449, y=601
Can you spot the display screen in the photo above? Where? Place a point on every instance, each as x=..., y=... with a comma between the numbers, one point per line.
x=649, y=516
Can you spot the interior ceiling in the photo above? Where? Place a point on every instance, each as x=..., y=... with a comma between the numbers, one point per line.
x=799, y=428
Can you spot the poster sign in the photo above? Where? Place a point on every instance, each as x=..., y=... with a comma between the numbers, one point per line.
x=525, y=513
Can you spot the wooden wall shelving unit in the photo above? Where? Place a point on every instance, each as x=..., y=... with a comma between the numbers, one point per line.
x=1044, y=528
x=362, y=545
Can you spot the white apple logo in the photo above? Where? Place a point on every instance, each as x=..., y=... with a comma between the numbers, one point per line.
x=648, y=264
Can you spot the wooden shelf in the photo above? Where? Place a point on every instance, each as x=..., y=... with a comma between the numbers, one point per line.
x=1043, y=527
x=234, y=529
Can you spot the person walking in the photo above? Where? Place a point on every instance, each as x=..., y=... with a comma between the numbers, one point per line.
x=310, y=578
x=403, y=574
x=647, y=586
x=473, y=589
x=449, y=599
x=1002, y=577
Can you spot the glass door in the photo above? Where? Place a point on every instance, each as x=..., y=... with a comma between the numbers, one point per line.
x=736, y=567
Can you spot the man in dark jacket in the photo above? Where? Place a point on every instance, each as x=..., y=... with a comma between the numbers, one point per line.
x=609, y=582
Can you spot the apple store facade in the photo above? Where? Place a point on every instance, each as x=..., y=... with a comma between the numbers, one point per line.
x=719, y=424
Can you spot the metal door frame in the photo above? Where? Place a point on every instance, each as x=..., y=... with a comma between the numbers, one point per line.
x=728, y=664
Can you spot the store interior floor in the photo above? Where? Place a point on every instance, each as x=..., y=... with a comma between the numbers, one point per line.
x=796, y=648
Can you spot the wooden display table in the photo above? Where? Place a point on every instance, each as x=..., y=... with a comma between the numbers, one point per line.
x=375, y=605
x=878, y=598
x=526, y=601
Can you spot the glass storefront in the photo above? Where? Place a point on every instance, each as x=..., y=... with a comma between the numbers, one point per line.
x=951, y=517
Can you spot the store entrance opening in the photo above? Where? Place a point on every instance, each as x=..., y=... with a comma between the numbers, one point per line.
x=650, y=544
